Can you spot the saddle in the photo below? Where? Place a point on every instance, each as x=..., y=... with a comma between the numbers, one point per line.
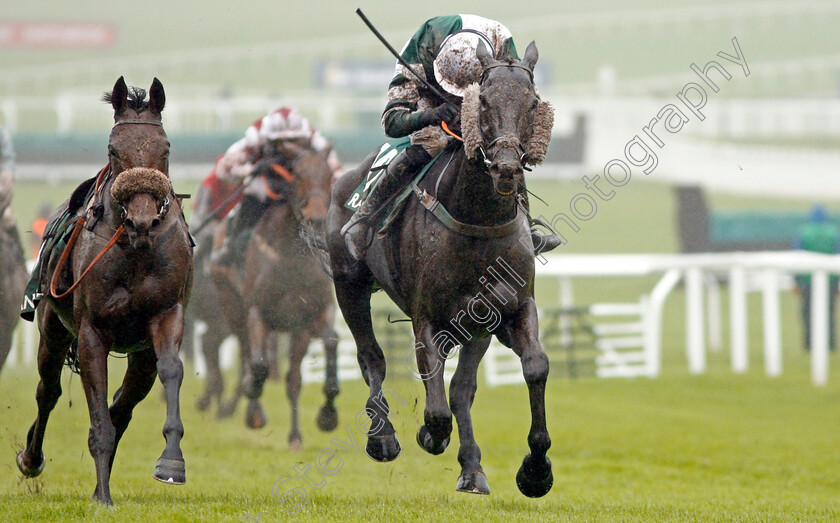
x=56, y=233
x=388, y=216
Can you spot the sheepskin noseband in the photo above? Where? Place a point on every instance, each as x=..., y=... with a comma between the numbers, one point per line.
x=535, y=149
x=140, y=180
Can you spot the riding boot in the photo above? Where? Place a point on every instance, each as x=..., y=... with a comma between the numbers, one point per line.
x=244, y=219
x=543, y=242
x=358, y=231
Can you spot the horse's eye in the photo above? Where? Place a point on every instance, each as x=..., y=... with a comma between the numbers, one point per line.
x=111, y=151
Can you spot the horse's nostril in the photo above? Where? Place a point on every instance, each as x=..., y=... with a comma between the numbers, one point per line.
x=155, y=222
x=128, y=223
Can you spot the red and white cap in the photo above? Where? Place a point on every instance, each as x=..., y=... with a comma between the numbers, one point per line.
x=285, y=123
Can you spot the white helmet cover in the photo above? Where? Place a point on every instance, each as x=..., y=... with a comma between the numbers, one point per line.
x=456, y=66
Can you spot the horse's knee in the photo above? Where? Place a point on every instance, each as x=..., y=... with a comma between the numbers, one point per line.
x=535, y=367
x=169, y=367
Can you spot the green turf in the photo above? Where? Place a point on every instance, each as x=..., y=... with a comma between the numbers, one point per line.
x=712, y=448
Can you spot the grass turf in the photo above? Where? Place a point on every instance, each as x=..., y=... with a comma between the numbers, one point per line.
x=710, y=448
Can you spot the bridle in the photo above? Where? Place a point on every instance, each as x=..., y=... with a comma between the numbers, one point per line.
x=163, y=209
x=503, y=141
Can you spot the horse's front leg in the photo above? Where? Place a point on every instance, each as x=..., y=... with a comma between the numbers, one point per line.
x=298, y=345
x=166, y=330
x=93, y=361
x=433, y=435
x=534, y=478
x=461, y=396
x=257, y=369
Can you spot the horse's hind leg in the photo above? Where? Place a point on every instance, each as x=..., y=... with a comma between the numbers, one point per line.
x=433, y=435
x=327, y=415
x=298, y=345
x=166, y=330
x=51, y=350
x=534, y=478
x=354, y=300
x=138, y=381
x=461, y=395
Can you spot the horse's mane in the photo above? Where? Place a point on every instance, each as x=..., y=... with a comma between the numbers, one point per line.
x=136, y=99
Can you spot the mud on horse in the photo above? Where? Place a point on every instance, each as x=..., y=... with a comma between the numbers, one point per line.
x=465, y=221
x=126, y=294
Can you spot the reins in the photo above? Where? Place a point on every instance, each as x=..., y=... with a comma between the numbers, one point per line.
x=66, y=254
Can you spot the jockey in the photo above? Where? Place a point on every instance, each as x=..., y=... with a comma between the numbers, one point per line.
x=263, y=139
x=443, y=51
x=7, y=179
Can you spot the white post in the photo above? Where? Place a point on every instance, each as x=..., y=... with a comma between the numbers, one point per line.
x=653, y=321
x=31, y=336
x=713, y=312
x=772, y=323
x=819, y=328
x=567, y=301
x=738, y=319
x=694, y=320
x=198, y=349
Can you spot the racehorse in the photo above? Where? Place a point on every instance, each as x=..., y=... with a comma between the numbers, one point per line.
x=12, y=283
x=126, y=294
x=282, y=286
x=461, y=266
x=204, y=306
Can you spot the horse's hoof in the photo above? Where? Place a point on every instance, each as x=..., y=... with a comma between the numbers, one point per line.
x=203, y=403
x=170, y=471
x=327, y=418
x=226, y=409
x=383, y=448
x=30, y=472
x=473, y=483
x=295, y=444
x=427, y=443
x=99, y=498
x=534, y=478
x=254, y=416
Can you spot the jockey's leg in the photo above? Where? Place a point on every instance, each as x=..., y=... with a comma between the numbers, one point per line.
x=543, y=242
x=357, y=232
x=248, y=214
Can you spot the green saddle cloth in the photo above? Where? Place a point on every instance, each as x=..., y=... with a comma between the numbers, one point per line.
x=386, y=155
x=56, y=234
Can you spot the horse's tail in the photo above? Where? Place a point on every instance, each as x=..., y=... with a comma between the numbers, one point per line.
x=315, y=239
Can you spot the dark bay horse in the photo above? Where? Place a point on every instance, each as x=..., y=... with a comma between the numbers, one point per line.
x=205, y=307
x=132, y=300
x=12, y=282
x=461, y=277
x=282, y=287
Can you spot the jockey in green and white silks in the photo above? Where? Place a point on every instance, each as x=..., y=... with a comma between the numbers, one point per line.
x=443, y=52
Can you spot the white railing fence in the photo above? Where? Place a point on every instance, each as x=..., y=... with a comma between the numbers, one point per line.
x=630, y=348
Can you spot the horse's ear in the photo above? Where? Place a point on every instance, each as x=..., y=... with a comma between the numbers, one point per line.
x=531, y=55
x=119, y=95
x=484, y=55
x=157, y=98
